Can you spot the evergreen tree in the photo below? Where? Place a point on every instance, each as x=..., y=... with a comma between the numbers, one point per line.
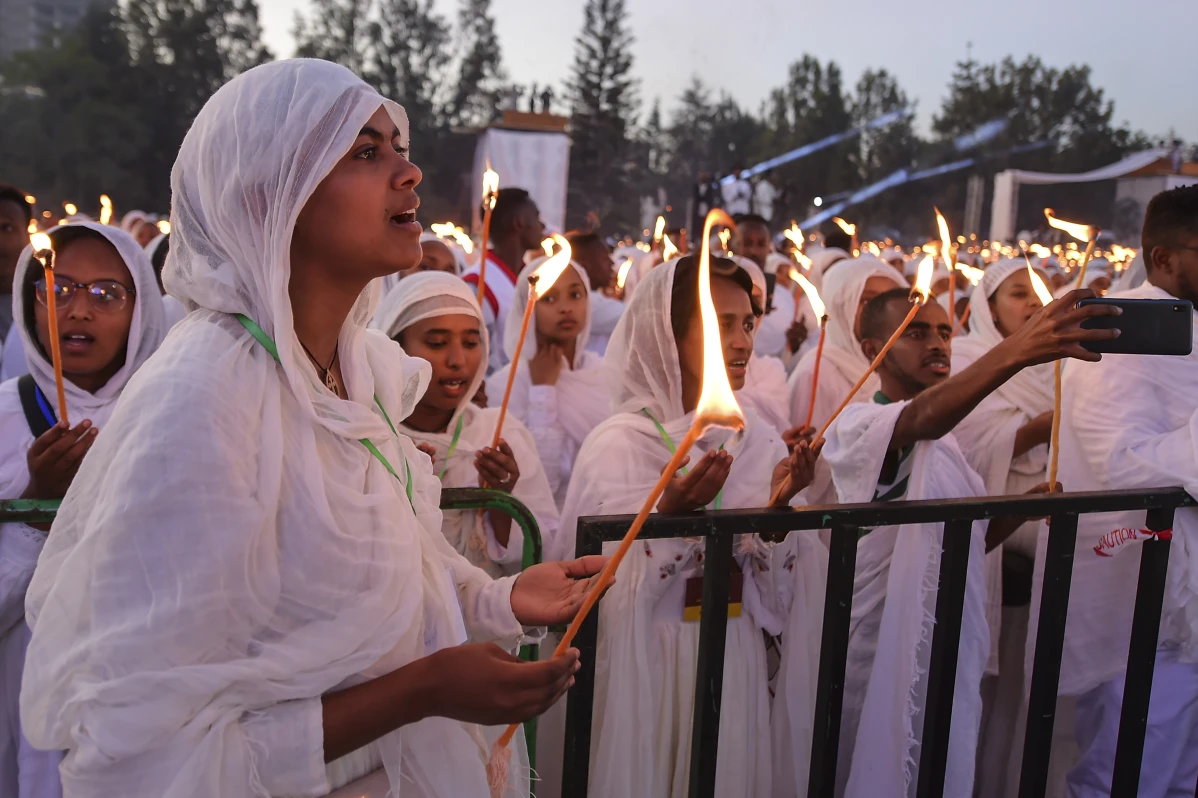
x=339, y=31
x=411, y=51
x=603, y=105
x=480, y=75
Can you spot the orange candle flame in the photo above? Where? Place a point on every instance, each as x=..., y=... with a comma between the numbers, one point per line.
x=105, y=209
x=622, y=275
x=1082, y=232
x=813, y=297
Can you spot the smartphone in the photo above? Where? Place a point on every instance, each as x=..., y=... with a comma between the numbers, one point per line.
x=1147, y=326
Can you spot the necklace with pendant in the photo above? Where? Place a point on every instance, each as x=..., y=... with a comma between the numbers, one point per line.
x=326, y=372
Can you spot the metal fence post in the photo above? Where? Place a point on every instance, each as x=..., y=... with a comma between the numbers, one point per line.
x=1046, y=667
x=1141, y=657
x=709, y=675
x=942, y=667
x=581, y=698
x=833, y=654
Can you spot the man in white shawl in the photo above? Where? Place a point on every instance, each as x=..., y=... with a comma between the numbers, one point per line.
x=899, y=447
x=846, y=289
x=1005, y=439
x=247, y=578
x=648, y=649
x=435, y=317
x=108, y=330
x=560, y=393
x=753, y=242
x=1131, y=422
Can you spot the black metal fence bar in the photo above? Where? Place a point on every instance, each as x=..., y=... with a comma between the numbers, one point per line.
x=709, y=676
x=1141, y=658
x=844, y=521
x=942, y=667
x=1050, y=642
x=834, y=652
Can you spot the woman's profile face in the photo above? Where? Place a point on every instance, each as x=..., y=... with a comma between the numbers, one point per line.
x=361, y=219
x=1014, y=303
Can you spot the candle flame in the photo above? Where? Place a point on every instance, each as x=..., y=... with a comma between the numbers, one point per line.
x=622, y=275
x=70, y=208
x=105, y=209
x=451, y=230
x=972, y=274
x=32, y=228
x=41, y=243
x=668, y=250
x=923, y=280
x=873, y=249
x=717, y=404
x=490, y=186
x=795, y=235
x=849, y=229
x=817, y=304
x=725, y=236
x=164, y=227
x=547, y=247
x=659, y=229
x=32, y=200
x=946, y=242
x=1042, y=292
x=1082, y=232
x=547, y=273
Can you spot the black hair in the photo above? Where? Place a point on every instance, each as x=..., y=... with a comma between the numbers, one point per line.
x=684, y=297
x=508, y=204
x=1170, y=214
x=875, y=315
x=158, y=260
x=14, y=194
x=835, y=237
x=751, y=218
x=581, y=239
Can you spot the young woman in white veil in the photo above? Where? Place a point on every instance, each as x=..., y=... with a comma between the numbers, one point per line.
x=435, y=316
x=111, y=320
x=845, y=288
x=648, y=652
x=560, y=392
x=247, y=578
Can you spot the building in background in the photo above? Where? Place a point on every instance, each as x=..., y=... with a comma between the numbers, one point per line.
x=25, y=23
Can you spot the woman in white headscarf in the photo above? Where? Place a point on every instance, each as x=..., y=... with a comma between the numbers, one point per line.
x=765, y=387
x=110, y=322
x=560, y=392
x=436, y=317
x=643, y=714
x=247, y=577
x=1005, y=440
x=846, y=289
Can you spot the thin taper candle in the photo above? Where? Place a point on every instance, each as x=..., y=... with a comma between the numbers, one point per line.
x=55, y=343
x=511, y=374
x=819, y=356
x=1056, y=431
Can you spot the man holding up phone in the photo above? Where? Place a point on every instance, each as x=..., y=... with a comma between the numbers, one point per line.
x=1131, y=421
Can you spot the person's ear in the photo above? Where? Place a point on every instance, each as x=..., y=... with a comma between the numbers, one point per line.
x=1159, y=261
x=870, y=348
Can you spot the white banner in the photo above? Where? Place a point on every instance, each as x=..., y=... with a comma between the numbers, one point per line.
x=539, y=163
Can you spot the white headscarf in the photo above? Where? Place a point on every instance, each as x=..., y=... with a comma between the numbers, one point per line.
x=146, y=331
x=459, y=255
x=426, y=295
x=822, y=260
x=841, y=293
x=515, y=317
x=1031, y=390
x=270, y=559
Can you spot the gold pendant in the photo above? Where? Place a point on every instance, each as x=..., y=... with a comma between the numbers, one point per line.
x=330, y=382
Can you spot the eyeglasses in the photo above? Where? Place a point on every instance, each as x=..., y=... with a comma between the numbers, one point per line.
x=106, y=296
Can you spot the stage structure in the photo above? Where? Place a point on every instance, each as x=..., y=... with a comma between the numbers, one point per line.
x=529, y=151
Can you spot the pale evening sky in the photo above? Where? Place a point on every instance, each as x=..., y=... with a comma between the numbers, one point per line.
x=1143, y=54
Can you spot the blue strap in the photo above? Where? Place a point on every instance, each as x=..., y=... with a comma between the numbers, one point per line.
x=44, y=406
x=269, y=345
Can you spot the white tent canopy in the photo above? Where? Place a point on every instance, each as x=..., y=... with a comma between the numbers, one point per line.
x=537, y=162
x=1006, y=187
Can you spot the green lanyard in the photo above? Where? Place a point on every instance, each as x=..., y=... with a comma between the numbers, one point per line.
x=270, y=347
x=453, y=445
x=719, y=497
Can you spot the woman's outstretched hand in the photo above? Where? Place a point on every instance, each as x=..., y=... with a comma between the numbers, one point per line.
x=698, y=487
x=797, y=471
x=551, y=593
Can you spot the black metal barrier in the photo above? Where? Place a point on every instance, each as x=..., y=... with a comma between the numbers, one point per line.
x=847, y=522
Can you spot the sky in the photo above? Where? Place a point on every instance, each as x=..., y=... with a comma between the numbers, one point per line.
x=1143, y=54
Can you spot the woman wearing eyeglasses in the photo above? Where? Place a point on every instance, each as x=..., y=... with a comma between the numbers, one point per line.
x=110, y=320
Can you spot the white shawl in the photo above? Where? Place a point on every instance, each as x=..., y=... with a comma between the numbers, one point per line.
x=894, y=604
x=427, y=295
x=1127, y=422
x=559, y=416
x=229, y=550
x=843, y=361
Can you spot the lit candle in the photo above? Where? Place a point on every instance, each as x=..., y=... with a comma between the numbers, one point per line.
x=1045, y=297
x=490, y=190
x=105, y=209
x=43, y=250
x=1082, y=232
x=817, y=307
x=717, y=407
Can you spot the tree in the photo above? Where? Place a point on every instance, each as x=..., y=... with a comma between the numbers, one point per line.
x=603, y=104
x=480, y=76
x=339, y=31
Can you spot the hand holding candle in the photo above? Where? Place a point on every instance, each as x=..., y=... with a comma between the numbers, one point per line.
x=43, y=250
x=716, y=407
